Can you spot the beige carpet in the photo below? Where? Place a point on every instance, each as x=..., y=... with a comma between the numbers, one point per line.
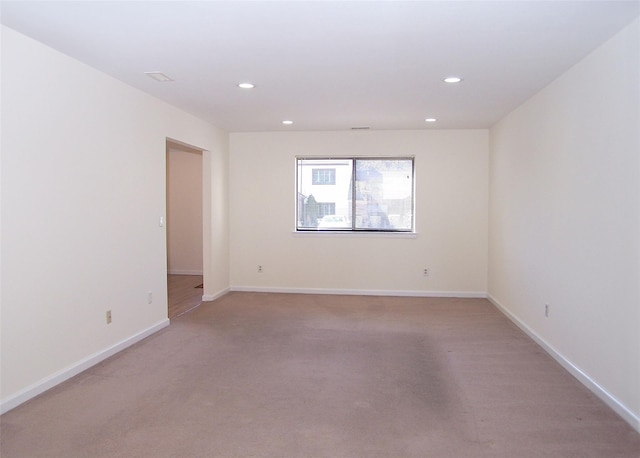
x=275, y=375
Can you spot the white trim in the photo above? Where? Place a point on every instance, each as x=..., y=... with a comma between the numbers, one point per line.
x=583, y=377
x=185, y=272
x=360, y=292
x=213, y=297
x=58, y=377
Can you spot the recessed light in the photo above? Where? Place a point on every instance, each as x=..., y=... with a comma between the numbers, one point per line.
x=452, y=79
x=286, y=122
x=431, y=120
x=159, y=76
x=246, y=85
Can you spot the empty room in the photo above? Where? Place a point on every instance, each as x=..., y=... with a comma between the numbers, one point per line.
x=406, y=229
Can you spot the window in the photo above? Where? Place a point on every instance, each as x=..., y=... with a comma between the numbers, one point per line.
x=323, y=176
x=368, y=194
x=326, y=208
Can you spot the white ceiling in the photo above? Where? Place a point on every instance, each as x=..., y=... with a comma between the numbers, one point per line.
x=329, y=65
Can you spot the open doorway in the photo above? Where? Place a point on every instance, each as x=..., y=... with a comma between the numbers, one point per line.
x=184, y=228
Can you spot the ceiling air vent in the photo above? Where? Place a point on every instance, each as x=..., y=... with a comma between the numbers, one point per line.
x=159, y=76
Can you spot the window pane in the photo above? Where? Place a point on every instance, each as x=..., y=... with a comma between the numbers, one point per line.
x=384, y=190
x=324, y=194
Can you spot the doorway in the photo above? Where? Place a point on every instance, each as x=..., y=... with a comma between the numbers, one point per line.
x=184, y=227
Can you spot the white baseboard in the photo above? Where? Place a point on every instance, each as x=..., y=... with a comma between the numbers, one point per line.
x=213, y=297
x=58, y=377
x=583, y=377
x=360, y=292
x=184, y=272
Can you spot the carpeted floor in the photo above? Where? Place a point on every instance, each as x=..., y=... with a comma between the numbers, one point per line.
x=277, y=375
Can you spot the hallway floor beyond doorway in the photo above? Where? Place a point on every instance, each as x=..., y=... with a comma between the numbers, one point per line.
x=185, y=293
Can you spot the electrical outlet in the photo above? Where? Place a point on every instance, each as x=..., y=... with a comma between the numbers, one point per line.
x=108, y=316
x=259, y=269
x=425, y=272
x=546, y=310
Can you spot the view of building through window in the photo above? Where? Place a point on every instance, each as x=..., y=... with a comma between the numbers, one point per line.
x=381, y=200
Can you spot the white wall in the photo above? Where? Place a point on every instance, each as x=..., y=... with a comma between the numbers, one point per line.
x=564, y=219
x=83, y=188
x=184, y=212
x=451, y=216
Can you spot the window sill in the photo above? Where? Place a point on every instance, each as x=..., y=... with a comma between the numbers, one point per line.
x=364, y=234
